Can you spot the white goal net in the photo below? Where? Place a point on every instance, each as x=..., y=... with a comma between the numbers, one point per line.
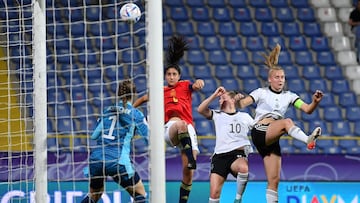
x=88, y=51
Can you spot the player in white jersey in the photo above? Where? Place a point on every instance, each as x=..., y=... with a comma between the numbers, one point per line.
x=270, y=124
x=232, y=143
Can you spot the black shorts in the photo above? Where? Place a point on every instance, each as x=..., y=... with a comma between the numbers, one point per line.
x=221, y=163
x=258, y=134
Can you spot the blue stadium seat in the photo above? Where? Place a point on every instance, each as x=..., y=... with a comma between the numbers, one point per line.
x=297, y=43
x=333, y=72
x=73, y=14
x=248, y=29
x=195, y=3
x=202, y=71
x=327, y=100
x=185, y=28
x=179, y=13
x=286, y=147
x=326, y=143
x=290, y=29
x=56, y=97
x=136, y=71
x=208, y=145
x=77, y=29
x=131, y=56
x=93, y=13
x=99, y=28
x=285, y=58
x=195, y=57
x=196, y=100
x=296, y=85
x=174, y=3
x=245, y=72
x=305, y=14
x=167, y=29
x=59, y=110
x=315, y=115
x=217, y=57
x=304, y=58
x=263, y=14
x=318, y=84
x=210, y=85
x=340, y=86
x=185, y=73
x=83, y=110
x=200, y=14
x=105, y=43
x=332, y=113
x=141, y=84
x=242, y=14
x=347, y=99
x=239, y=57
x=52, y=15
x=62, y=43
x=319, y=44
x=319, y=123
x=124, y=41
x=221, y=14
x=255, y=43
x=193, y=42
x=205, y=28
x=204, y=127
x=340, y=128
x=82, y=44
x=223, y=71
x=230, y=83
x=270, y=29
x=357, y=128
x=237, y=3
x=311, y=72
x=291, y=71
x=87, y=125
x=109, y=58
x=64, y=56
x=233, y=43
x=257, y=58
x=325, y=58
x=101, y=99
x=273, y=40
x=300, y=3
x=250, y=85
x=352, y=113
x=284, y=14
x=227, y=29
x=114, y=73
x=212, y=43
x=258, y=3
x=279, y=3
x=311, y=29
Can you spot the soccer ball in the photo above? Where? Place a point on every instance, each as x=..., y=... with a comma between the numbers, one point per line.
x=130, y=12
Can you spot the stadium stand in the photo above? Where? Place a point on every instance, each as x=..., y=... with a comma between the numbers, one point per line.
x=226, y=38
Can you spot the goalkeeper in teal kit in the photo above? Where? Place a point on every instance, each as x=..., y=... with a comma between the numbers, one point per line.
x=111, y=156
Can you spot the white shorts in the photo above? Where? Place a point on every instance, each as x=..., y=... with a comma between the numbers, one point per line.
x=192, y=134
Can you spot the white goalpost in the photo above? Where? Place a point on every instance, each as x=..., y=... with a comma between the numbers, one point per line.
x=60, y=64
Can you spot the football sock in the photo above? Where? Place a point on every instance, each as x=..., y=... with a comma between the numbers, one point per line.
x=184, y=192
x=214, y=200
x=139, y=199
x=185, y=141
x=241, y=181
x=298, y=134
x=271, y=196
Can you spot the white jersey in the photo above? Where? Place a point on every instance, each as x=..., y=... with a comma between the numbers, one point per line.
x=272, y=104
x=231, y=130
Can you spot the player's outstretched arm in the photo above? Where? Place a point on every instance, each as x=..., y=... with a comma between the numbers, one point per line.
x=203, y=108
x=141, y=100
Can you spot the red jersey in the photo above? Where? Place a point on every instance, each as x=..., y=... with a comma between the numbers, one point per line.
x=178, y=101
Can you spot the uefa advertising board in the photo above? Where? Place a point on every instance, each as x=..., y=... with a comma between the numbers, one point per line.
x=289, y=192
x=305, y=178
